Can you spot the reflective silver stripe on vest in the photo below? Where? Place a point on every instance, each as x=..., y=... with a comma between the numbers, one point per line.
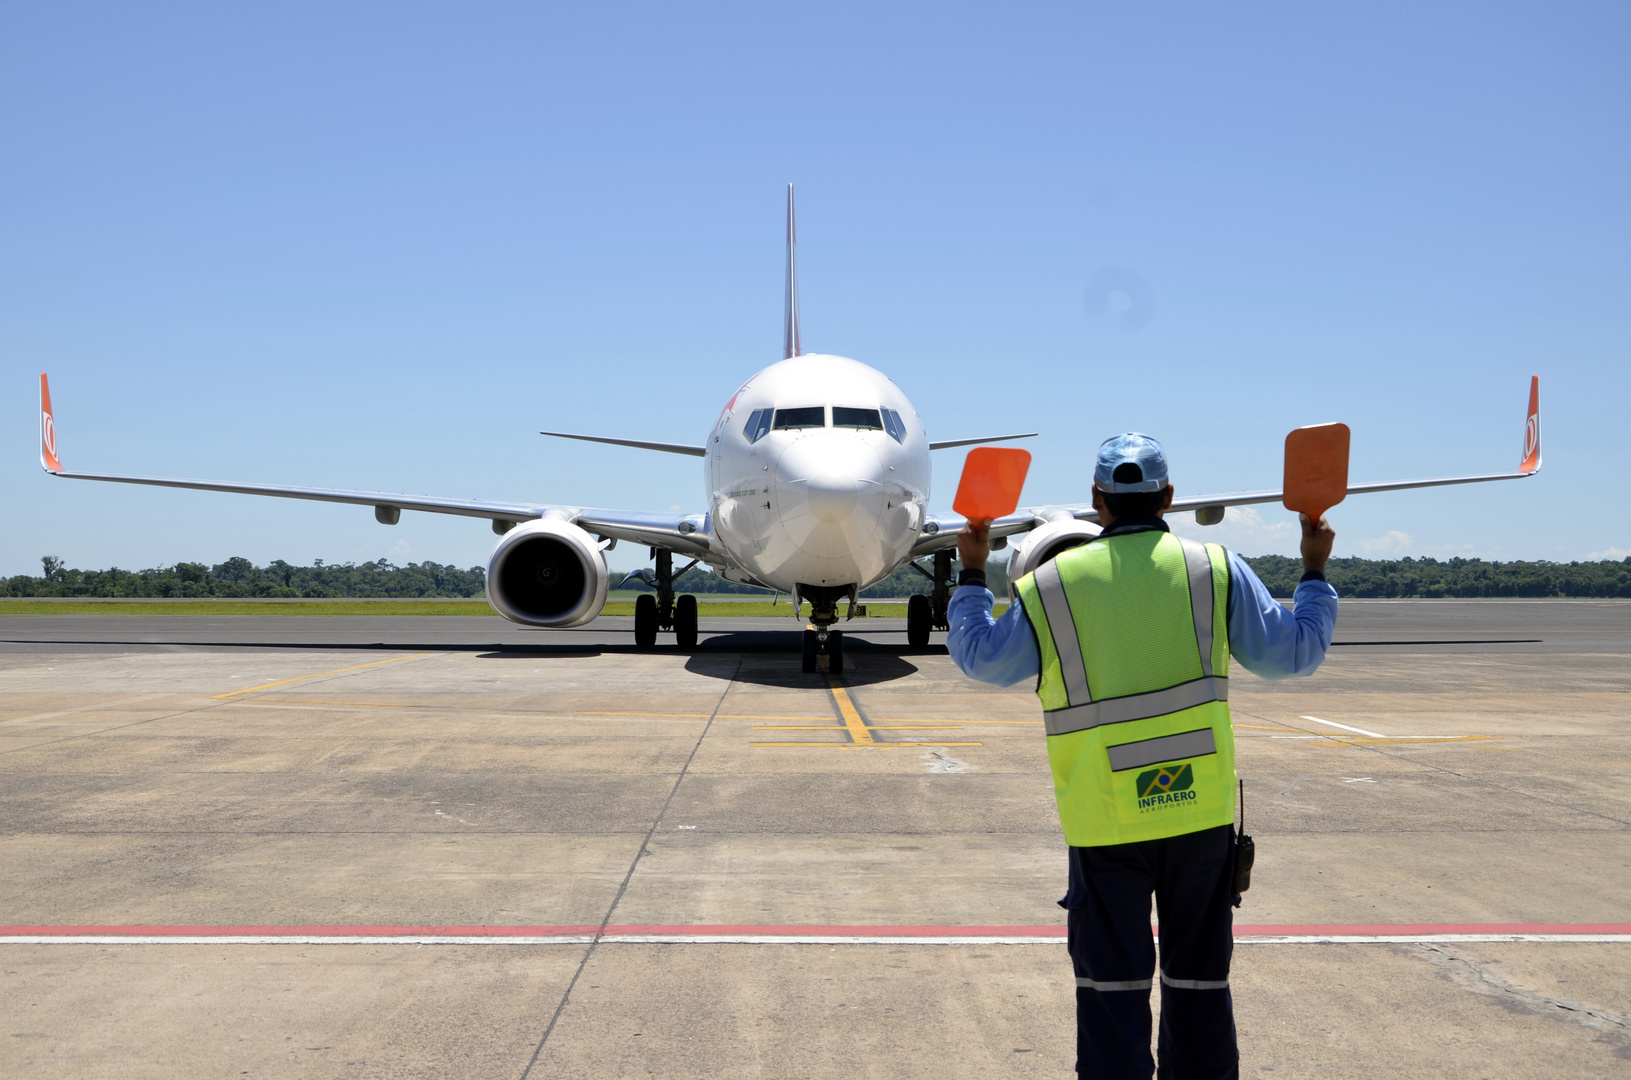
x=1136, y=706
x=1199, y=565
x=1189, y=984
x=1136, y=755
x=1062, y=626
x=1133, y=984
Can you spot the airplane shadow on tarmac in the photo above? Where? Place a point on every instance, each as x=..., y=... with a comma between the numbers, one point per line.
x=771, y=658
x=763, y=657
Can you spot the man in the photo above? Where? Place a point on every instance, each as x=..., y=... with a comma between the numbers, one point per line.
x=1129, y=637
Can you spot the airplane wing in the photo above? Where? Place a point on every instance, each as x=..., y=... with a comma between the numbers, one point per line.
x=949, y=443
x=940, y=530
x=667, y=448
x=681, y=532
x=699, y=451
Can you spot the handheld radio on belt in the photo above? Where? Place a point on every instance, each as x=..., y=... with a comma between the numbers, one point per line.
x=1245, y=851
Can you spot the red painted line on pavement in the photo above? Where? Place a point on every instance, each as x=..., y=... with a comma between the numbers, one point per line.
x=1384, y=929
x=1302, y=930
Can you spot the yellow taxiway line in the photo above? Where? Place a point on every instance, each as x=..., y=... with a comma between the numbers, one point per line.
x=867, y=746
x=851, y=716
x=858, y=730
x=318, y=675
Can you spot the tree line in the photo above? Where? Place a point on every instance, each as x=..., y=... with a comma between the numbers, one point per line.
x=1405, y=578
x=239, y=578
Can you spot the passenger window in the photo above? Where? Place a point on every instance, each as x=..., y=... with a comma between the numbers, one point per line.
x=813, y=416
x=856, y=418
x=752, y=425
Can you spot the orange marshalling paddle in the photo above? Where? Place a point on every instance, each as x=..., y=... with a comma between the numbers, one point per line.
x=993, y=477
x=1316, y=469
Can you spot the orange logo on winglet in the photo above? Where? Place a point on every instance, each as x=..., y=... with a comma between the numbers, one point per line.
x=48, y=429
x=1531, y=429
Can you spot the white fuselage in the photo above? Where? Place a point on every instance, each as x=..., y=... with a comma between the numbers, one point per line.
x=832, y=495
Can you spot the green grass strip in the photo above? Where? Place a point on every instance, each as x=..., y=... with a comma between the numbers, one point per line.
x=708, y=609
x=244, y=607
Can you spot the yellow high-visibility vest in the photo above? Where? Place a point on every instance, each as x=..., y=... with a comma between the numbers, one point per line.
x=1134, y=641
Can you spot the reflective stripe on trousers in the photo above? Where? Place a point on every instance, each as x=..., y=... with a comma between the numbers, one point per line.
x=1145, y=984
x=1192, y=984
x=1103, y=987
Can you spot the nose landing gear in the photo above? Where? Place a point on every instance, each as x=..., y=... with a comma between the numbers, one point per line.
x=823, y=642
x=819, y=637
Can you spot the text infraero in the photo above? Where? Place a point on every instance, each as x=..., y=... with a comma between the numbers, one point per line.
x=1168, y=786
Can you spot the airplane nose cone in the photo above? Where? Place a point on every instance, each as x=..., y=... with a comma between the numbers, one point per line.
x=831, y=497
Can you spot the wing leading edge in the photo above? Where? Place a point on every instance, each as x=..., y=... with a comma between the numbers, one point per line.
x=677, y=531
x=945, y=526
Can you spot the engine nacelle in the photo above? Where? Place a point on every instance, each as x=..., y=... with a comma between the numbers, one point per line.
x=1040, y=545
x=547, y=573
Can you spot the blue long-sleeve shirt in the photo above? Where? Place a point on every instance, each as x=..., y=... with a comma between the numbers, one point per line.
x=1264, y=637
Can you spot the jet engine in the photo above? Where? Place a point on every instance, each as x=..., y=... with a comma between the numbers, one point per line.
x=547, y=573
x=1041, y=544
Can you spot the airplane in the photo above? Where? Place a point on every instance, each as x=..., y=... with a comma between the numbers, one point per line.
x=816, y=476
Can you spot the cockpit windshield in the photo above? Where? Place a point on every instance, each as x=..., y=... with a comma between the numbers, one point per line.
x=757, y=425
x=856, y=418
x=761, y=422
x=893, y=424
x=812, y=416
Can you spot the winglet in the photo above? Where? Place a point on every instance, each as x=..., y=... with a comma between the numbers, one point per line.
x=790, y=333
x=1531, y=430
x=48, y=430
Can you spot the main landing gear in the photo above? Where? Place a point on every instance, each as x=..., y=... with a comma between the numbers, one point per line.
x=928, y=613
x=664, y=611
x=819, y=637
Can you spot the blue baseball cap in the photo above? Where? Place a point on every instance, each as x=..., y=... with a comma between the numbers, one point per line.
x=1130, y=462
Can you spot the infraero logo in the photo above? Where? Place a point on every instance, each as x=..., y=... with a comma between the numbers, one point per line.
x=1170, y=785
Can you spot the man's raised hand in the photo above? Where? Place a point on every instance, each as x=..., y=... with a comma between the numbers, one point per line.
x=1318, y=536
x=974, y=544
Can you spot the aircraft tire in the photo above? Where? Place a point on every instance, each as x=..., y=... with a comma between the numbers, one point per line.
x=809, y=652
x=645, y=621
x=685, y=622
x=918, y=621
x=835, y=652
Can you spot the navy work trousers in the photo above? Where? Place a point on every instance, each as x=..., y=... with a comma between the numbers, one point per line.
x=1113, y=952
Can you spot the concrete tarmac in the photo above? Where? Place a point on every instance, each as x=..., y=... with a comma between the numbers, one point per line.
x=237, y=782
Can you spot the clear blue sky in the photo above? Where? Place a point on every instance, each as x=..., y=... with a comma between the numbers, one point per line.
x=382, y=245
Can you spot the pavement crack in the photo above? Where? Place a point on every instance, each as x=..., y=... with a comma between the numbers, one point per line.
x=941, y=762
x=1280, y=796
x=1483, y=980
x=634, y=864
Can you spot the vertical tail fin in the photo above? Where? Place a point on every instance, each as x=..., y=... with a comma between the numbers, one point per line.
x=48, y=430
x=790, y=334
x=1531, y=430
